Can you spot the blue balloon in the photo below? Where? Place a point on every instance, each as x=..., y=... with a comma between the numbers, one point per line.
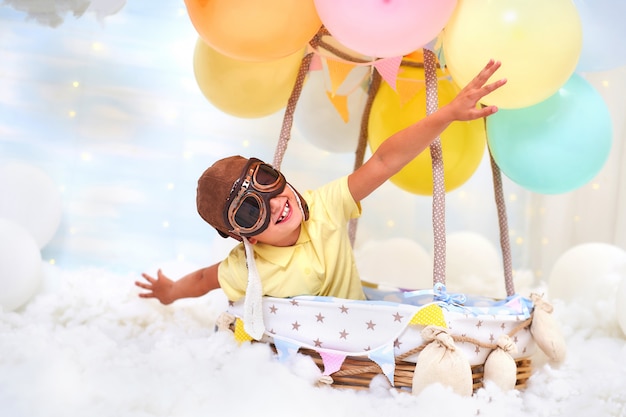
x=554, y=146
x=604, y=32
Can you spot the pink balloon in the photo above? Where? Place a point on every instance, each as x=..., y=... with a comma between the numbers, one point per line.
x=384, y=28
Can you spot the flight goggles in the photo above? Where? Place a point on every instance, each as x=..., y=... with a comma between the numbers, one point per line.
x=247, y=210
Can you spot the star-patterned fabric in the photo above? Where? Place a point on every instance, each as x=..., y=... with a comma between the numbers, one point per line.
x=381, y=330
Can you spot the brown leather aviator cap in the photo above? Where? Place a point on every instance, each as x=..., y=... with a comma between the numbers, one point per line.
x=214, y=188
x=220, y=182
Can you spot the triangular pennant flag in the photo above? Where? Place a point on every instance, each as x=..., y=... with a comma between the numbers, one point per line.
x=436, y=45
x=338, y=71
x=388, y=69
x=332, y=362
x=341, y=105
x=316, y=60
x=429, y=315
x=385, y=358
x=408, y=88
x=316, y=63
x=240, y=334
x=284, y=349
x=416, y=56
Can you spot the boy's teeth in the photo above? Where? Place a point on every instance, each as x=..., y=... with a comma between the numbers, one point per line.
x=284, y=214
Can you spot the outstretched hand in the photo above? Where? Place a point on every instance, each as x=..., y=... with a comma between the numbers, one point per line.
x=463, y=107
x=159, y=288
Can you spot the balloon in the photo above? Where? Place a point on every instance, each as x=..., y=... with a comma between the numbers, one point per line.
x=380, y=28
x=241, y=88
x=473, y=265
x=398, y=262
x=30, y=198
x=20, y=265
x=588, y=272
x=557, y=145
x=317, y=120
x=252, y=30
x=462, y=143
x=604, y=32
x=537, y=41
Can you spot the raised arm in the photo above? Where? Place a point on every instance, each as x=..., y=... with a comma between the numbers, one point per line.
x=402, y=147
x=167, y=291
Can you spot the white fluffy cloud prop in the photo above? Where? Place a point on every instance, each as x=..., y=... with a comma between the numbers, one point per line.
x=52, y=12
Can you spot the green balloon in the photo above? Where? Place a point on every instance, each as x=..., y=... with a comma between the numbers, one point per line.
x=554, y=146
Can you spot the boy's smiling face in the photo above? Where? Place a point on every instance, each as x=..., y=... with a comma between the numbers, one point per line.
x=285, y=221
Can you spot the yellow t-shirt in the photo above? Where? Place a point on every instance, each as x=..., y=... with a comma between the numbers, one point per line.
x=320, y=263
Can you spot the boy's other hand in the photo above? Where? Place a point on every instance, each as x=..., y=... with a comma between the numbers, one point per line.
x=464, y=106
x=159, y=288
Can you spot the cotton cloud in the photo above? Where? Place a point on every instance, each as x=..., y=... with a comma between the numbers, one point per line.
x=52, y=13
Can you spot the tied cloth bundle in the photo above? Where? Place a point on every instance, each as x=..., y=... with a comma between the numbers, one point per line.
x=500, y=367
x=546, y=332
x=441, y=362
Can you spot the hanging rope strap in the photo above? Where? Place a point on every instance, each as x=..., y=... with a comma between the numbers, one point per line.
x=285, y=131
x=504, y=227
x=439, y=191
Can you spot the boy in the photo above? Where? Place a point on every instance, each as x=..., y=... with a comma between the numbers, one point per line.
x=300, y=244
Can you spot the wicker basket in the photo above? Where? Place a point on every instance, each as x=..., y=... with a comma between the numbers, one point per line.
x=344, y=363
x=358, y=372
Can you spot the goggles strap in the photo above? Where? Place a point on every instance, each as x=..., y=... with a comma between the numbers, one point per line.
x=253, y=302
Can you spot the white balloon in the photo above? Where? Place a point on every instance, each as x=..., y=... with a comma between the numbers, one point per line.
x=29, y=197
x=586, y=272
x=396, y=262
x=20, y=265
x=473, y=265
x=317, y=120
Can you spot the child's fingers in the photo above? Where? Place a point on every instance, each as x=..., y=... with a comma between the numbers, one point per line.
x=148, y=278
x=493, y=86
x=486, y=111
x=482, y=77
x=143, y=285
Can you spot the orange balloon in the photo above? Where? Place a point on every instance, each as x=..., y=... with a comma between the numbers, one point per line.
x=462, y=143
x=242, y=88
x=254, y=30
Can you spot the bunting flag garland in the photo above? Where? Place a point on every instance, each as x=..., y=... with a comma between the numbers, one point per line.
x=437, y=49
x=241, y=335
x=316, y=61
x=408, y=88
x=339, y=68
x=332, y=362
x=338, y=71
x=388, y=69
x=285, y=349
x=429, y=315
x=340, y=102
x=385, y=358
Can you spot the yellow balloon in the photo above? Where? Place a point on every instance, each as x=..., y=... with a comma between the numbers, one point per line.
x=462, y=143
x=242, y=88
x=537, y=41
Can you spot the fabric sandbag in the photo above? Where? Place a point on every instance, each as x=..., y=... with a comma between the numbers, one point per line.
x=441, y=362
